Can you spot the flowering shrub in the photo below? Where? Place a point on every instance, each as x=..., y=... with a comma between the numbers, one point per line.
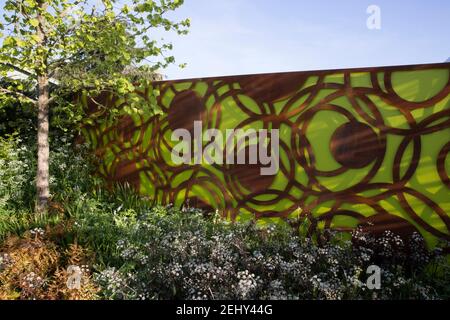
x=144, y=252
x=165, y=253
x=70, y=169
x=13, y=168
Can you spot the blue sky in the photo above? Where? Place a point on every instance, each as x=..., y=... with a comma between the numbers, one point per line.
x=256, y=36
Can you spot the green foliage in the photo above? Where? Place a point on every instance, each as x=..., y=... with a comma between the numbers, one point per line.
x=83, y=47
x=57, y=49
x=71, y=175
x=14, y=115
x=167, y=253
x=17, y=188
x=144, y=251
x=13, y=172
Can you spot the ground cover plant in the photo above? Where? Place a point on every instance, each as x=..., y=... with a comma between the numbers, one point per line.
x=128, y=249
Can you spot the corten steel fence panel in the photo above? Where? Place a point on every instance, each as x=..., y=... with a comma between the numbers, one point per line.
x=362, y=147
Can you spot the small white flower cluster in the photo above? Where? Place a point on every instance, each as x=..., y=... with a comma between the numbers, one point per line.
x=13, y=171
x=390, y=243
x=365, y=254
x=270, y=229
x=419, y=253
x=32, y=281
x=144, y=296
x=248, y=282
x=197, y=295
x=170, y=256
x=330, y=290
x=277, y=291
x=85, y=269
x=38, y=232
x=399, y=282
x=113, y=282
x=176, y=269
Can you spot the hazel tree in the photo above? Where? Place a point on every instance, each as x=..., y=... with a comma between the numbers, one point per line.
x=68, y=46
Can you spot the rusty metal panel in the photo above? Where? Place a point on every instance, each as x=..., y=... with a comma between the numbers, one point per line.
x=362, y=147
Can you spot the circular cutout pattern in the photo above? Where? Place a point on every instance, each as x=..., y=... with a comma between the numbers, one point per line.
x=355, y=145
x=190, y=106
x=249, y=175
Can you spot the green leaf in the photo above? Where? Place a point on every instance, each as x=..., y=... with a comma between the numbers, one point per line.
x=125, y=9
x=30, y=3
x=9, y=41
x=34, y=22
x=20, y=43
x=35, y=38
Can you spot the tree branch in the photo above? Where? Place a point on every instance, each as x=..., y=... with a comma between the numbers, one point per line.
x=18, y=95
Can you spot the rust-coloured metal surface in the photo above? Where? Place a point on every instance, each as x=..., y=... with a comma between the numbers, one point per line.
x=357, y=147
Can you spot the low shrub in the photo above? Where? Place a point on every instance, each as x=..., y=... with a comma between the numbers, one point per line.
x=71, y=177
x=165, y=253
x=137, y=251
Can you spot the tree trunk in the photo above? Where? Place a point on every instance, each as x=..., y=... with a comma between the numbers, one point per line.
x=42, y=179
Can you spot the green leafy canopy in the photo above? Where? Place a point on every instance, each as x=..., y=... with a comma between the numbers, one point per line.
x=83, y=45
